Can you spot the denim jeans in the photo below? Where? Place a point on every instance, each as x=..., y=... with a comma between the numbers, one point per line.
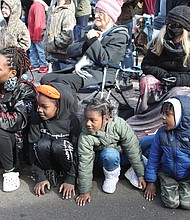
x=111, y=158
x=128, y=58
x=146, y=143
x=37, y=54
x=82, y=20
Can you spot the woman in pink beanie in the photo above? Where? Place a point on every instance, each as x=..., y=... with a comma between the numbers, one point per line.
x=106, y=15
x=111, y=7
x=100, y=42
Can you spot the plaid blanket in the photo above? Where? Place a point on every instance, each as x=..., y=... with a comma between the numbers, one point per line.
x=152, y=96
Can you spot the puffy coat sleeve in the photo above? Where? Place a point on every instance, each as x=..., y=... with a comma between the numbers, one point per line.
x=153, y=165
x=85, y=167
x=150, y=67
x=131, y=146
x=183, y=78
x=14, y=114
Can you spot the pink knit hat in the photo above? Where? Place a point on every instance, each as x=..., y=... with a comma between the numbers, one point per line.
x=111, y=7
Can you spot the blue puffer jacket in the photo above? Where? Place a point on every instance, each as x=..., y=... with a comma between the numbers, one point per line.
x=170, y=151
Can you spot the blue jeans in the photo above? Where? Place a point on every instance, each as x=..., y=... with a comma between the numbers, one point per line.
x=146, y=143
x=81, y=23
x=37, y=54
x=111, y=159
x=128, y=58
x=82, y=20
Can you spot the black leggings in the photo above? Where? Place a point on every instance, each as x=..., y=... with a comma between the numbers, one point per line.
x=7, y=149
x=56, y=154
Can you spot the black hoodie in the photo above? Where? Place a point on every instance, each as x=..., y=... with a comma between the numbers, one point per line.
x=65, y=125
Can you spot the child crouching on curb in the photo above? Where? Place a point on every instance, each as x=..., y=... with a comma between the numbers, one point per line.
x=17, y=101
x=114, y=143
x=53, y=135
x=169, y=157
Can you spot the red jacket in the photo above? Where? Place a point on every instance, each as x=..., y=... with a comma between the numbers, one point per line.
x=36, y=21
x=148, y=7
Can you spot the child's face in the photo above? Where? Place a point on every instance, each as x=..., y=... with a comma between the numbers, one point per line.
x=168, y=120
x=6, y=11
x=94, y=121
x=47, y=107
x=5, y=72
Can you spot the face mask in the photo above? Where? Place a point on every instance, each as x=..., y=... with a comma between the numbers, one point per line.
x=11, y=84
x=173, y=32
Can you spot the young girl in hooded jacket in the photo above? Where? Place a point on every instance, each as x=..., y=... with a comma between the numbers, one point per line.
x=110, y=140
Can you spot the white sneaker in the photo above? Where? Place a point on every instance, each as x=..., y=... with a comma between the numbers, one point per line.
x=111, y=179
x=11, y=181
x=132, y=177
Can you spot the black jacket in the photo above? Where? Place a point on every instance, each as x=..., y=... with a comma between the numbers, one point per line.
x=169, y=63
x=16, y=107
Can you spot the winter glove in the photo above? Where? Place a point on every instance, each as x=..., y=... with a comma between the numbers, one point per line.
x=83, y=62
x=163, y=74
x=93, y=33
x=168, y=83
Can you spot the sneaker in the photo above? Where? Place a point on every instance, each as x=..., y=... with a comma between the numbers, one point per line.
x=11, y=181
x=132, y=177
x=33, y=68
x=43, y=69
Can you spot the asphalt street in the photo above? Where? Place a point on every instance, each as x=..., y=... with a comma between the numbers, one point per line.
x=127, y=203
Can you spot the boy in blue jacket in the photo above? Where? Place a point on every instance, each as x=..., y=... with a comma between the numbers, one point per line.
x=169, y=157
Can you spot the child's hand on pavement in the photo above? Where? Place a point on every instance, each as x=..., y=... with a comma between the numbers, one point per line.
x=150, y=191
x=39, y=188
x=82, y=199
x=142, y=184
x=68, y=190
